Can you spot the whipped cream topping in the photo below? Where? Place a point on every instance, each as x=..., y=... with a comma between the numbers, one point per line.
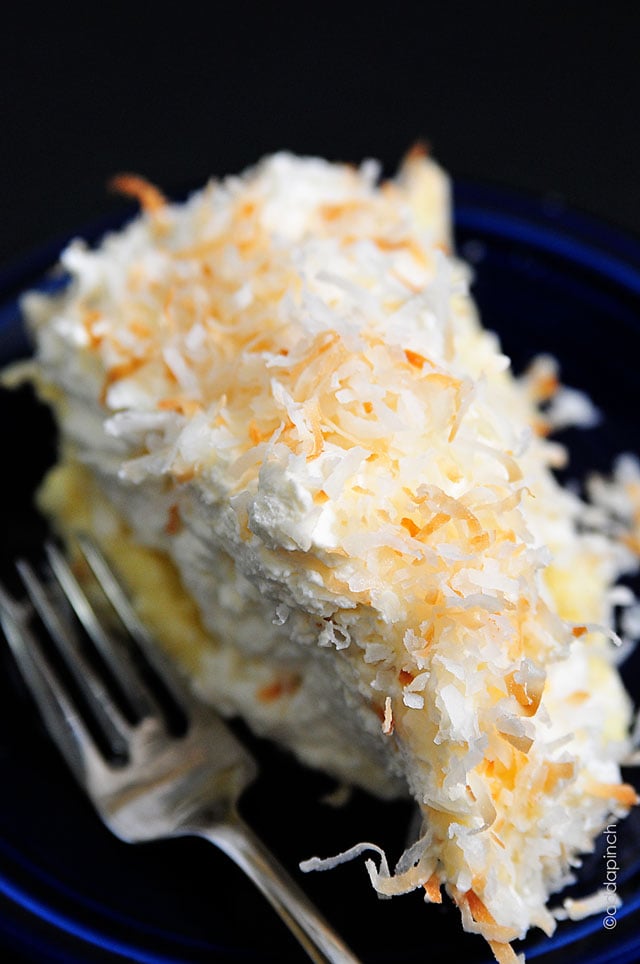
x=284, y=385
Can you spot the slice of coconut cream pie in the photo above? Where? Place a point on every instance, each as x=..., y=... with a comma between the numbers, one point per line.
x=336, y=505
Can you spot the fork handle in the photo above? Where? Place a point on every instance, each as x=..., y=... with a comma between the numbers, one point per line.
x=313, y=932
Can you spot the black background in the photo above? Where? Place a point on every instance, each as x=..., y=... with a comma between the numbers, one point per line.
x=540, y=95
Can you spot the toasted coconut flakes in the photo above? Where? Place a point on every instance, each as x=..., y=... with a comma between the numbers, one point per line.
x=479, y=919
x=149, y=196
x=596, y=903
x=505, y=954
x=432, y=891
x=387, y=723
x=118, y=372
x=557, y=772
x=527, y=685
x=304, y=324
x=520, y=742
x=174, y=521
x=287, y=684
x=622, y=793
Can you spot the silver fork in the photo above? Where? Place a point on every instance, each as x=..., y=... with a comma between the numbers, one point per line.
x=145, y=781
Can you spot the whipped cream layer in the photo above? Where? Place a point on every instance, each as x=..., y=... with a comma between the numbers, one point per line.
x=282, y=385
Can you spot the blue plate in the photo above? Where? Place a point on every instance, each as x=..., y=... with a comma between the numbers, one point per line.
x=547, y=279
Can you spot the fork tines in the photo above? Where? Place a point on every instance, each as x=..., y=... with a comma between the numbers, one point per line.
x=114, y=676
x=146, y=779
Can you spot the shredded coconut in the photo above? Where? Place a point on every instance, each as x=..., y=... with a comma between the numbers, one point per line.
x=291, y=363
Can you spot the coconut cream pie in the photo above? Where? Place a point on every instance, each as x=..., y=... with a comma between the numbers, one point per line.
x=336, y=505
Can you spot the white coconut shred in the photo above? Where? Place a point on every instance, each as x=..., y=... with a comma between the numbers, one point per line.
x=283, y=385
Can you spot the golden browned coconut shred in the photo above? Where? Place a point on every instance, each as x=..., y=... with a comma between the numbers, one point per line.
x=340, y=512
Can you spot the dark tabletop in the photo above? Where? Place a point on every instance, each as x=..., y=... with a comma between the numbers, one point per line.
x=535, y=95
